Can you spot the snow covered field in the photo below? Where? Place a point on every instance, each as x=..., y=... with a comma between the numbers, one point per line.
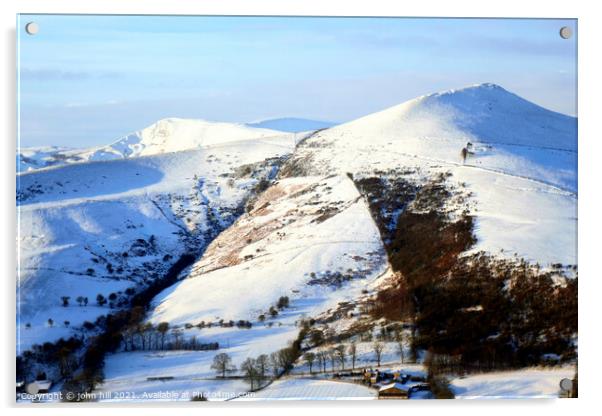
x=127, y=376
x=130, y=370
x=312, y=389
x=520, y=384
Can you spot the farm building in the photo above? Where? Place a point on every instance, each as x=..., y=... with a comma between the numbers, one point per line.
x=393, y=391
x=39, y=386
x=44, y=386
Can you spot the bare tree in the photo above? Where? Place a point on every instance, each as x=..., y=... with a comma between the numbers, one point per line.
x=340, y=352
x=332, y=354
x=128, y=339
x=309, y=358
x=262, y=365
x=142, y=331
x=147, y=333
x=378, y=348
x=275, y=363
x=177, y=336
x=353, y=354
x=222, y=364
x=321, y=356
x=251, y=372
x=163, y=327
x=286, y=358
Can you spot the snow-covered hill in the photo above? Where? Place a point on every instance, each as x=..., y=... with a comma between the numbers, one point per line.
x=30, y=158
x=173, y=135
x=165, y=136
x=521, y=166
x=103, y=227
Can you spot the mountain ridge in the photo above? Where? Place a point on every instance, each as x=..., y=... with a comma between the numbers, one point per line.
x=164, y=136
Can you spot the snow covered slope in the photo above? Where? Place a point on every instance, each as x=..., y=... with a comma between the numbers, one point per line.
x=521, y=166
x=529, y=383
x=311, y=389
x=298, y=227
x=103, y=227
x=165, y=136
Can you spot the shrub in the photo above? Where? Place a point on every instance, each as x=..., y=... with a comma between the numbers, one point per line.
x=283, y=302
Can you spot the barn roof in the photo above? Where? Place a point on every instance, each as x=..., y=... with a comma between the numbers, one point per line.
x=394, y=385
x=44, y=384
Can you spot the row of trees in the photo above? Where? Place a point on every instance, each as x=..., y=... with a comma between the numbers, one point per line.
x=278, y=362
x=257, y=370
x=146, y=337
x=101, y=300
x=254, y=370
x=341, y=355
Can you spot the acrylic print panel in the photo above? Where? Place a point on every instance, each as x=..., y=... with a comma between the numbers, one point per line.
x=279, y=208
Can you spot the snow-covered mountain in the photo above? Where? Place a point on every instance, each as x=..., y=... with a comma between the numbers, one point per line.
x=521, y=166
x=103, y=227
x=314, y=235
x=173, y=135
x=521, y=171
x=165, y=136
x=292, y=124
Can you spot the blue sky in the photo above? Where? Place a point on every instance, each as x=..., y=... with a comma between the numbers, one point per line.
x=88, y=80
